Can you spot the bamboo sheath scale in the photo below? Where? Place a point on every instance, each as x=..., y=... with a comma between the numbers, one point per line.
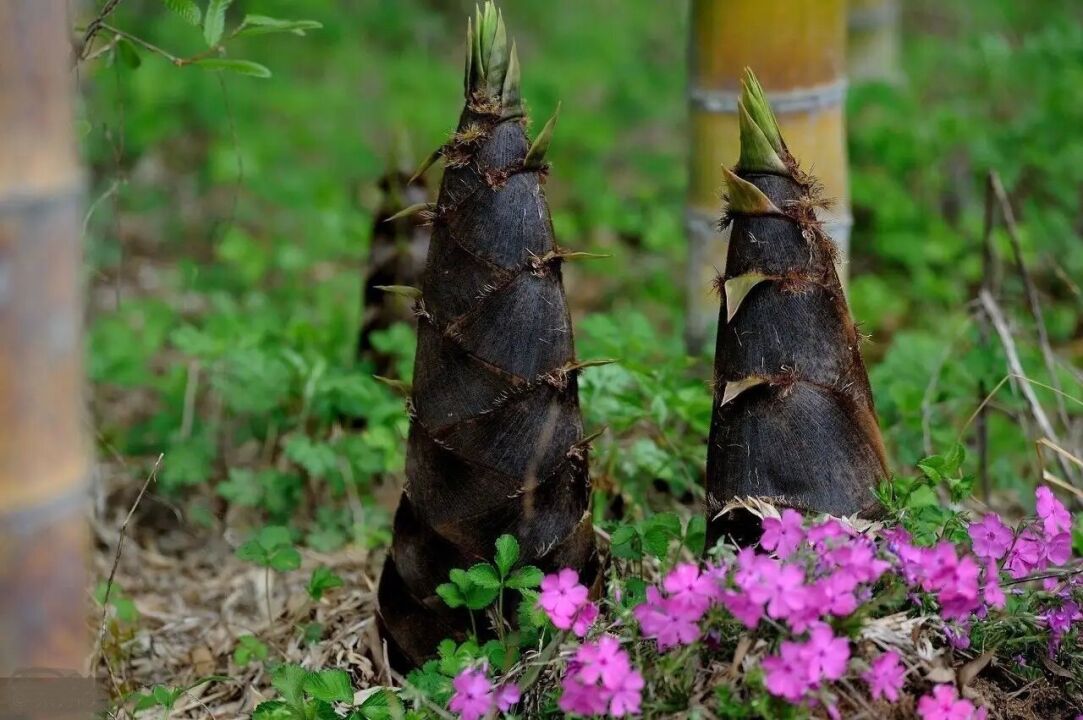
x=43, y=454
x=798, y=49
x=496, y=440
x=793, y=416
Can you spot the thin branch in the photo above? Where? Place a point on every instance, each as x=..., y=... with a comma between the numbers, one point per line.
x=1031, y=291
x=1000, y=324
x=92, y=29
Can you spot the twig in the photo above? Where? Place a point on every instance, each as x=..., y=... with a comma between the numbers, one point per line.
x=1031, y=291
x=1000, y=324
x=121, y=535
x=94, y=27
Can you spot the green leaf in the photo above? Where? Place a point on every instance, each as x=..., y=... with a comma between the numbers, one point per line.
x=924, y=496
x=695, y=536
x=484, y=575
x=377, y=706
x=253, y=552
x=242, y=67
x=626, y=543
x=249, y=648
x=527, y=576
x=451, y=595
x=272, y=537
x=289, y=680
x=272, y=710
x=658, y=531
x=322, y=580
x=479, y=598
x=262, y=25
x=128, y=53
x=285, y=559
x=165, y=697
x=215, y=21
x=187, y=10
x=329, y=686
x=507, y=553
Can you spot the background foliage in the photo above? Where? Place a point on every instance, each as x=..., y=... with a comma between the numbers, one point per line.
x=231, y=216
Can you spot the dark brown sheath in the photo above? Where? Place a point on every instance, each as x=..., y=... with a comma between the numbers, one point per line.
x=793, y=417
x=496, y=440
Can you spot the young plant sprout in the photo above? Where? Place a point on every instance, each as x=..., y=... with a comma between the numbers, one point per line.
x=793, y=418
x=496, y=441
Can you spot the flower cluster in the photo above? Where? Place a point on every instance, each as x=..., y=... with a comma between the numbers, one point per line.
x=943, y=703
x=601, y=679
x=475, y=696
x=564, y=600
x=800, y=584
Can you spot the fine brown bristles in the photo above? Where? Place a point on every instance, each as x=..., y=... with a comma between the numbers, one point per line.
x=496, y=439
x=793, y=417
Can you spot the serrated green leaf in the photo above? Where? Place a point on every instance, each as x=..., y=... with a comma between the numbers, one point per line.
x=322, y=580
x=252, y=551
x=242, y=67
x=272, y=537
x=451, y=595
x=249, y=648
x=377, y=706
x=289, y=680
x=695, y=536
x=527, y=576
x=479, y=598
x=285, y=559
x=214, y=23
x=484, y=575
x=507, y=553
x=188, y=10
x=272, y=710
x=329, y=686
x=626, y=543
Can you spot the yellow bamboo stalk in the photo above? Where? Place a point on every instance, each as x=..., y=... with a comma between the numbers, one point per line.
x=873, y=52
x=43, y=458
x=797, y=48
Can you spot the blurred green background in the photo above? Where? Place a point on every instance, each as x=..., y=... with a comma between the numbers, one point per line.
x=230, y=219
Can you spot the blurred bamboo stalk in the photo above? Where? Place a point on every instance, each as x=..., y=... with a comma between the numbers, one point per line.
x=797, y=48
x=873, y=52
x=43, y=453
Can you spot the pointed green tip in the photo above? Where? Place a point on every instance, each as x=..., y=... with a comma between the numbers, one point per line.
x=757, y=153
x=760, y=114
x=492, y=64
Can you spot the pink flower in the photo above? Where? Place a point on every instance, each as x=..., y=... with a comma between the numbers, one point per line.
x=561, y=597
x=743, y=608
x=783, y=536
x=1058, y=549
x=583, y=619
x=1052, y=512
x=992, y=594
x=627, y=694
x=600, y=679
x=990, y=538
x=667, y=620
x=858, y=558
x=686, y=584
x=1026, y=555
x=944, y=704
x=886, y=676
x=473, y=697
x=602, y=661
x=820, y=535
x=786, y=675
x=836, y=594
x=825, y=655
x=787, y=594
x=507, y=696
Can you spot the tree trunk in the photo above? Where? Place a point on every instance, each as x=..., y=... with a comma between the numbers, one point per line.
x=43, y=455
x=798, y=50
x=873, y=51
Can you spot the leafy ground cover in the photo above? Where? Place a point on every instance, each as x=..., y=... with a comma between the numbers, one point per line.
x=228, y=222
